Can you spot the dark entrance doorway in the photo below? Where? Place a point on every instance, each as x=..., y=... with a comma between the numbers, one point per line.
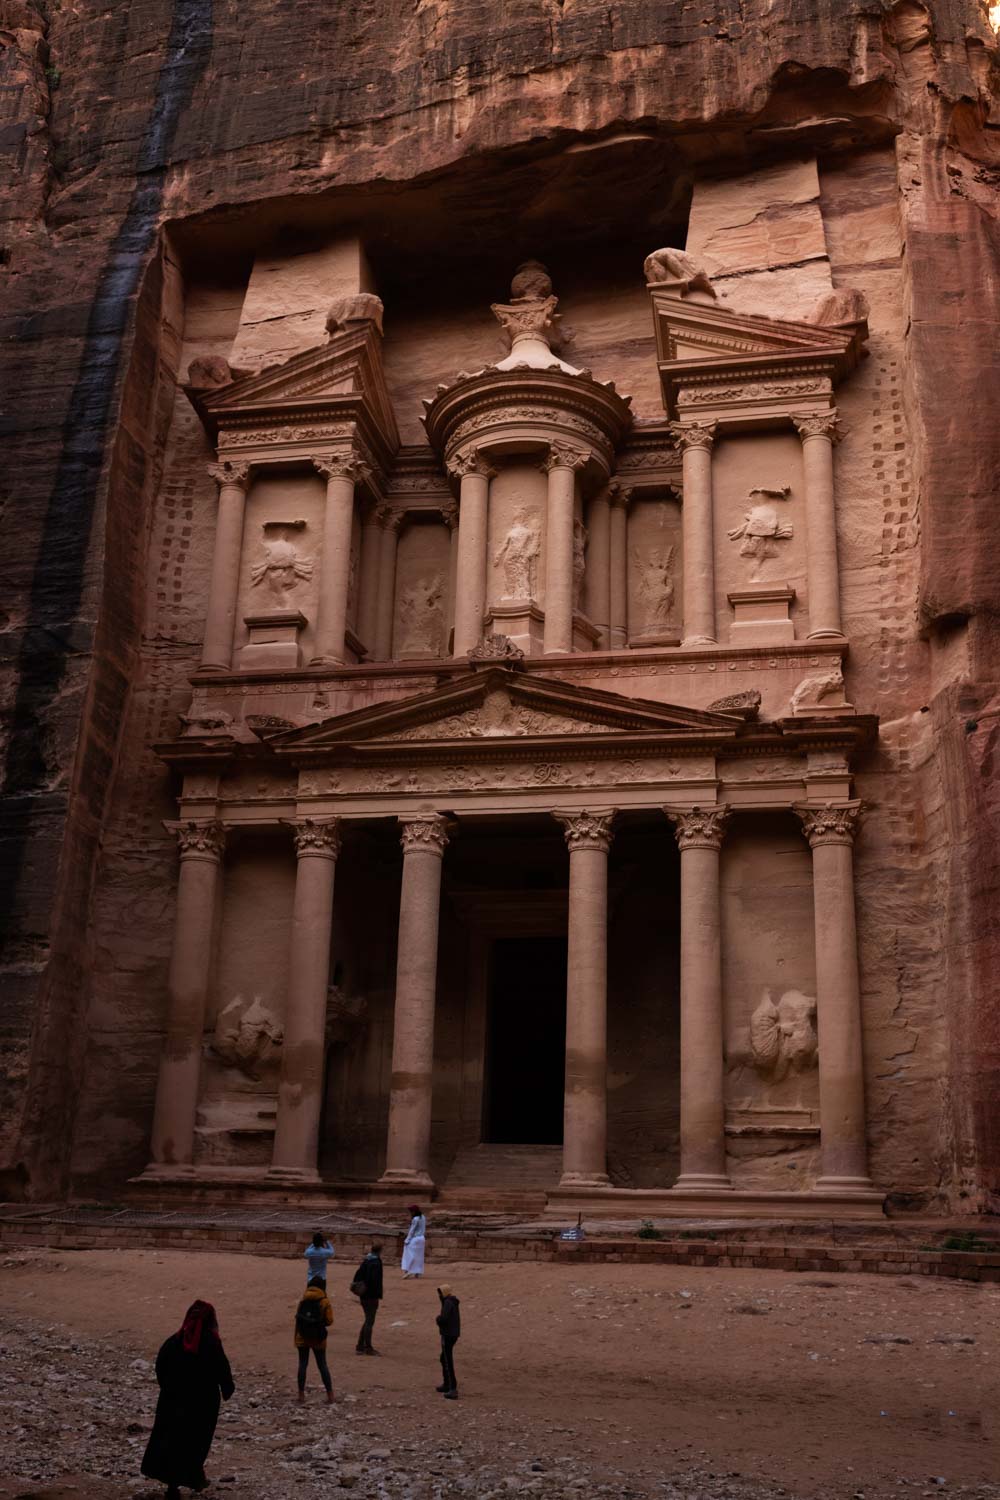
x=526, y=1041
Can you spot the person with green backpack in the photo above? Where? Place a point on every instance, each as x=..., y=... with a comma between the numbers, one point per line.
x=313, y=1317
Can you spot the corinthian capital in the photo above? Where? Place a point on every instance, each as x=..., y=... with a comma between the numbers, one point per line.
x=228, y=472
x=693, y=434
x=317, y=836
x=428, y=834
x=341, y=466
x=821, y=424
x=619, y=493
x=563, y=457
x=449, y=514
x=830, y=824
x=199, y=840
x=472, y=462
x=588, y=830
x=389, y=519
x=699, y=827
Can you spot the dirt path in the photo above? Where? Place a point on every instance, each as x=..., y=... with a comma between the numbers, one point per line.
x=623, y=1380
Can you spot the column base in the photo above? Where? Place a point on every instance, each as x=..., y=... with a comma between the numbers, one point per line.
x=329, y=661
x=846, y=1185
x=702, y=1182
x=211, y=668
x=584, y=1179
x=699, y=640
x=403, y=1177
x=292, y=1174
x=826, y=635
x=159, y=1170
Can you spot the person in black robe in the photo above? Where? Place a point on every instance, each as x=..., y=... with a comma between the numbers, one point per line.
x=191, y=1369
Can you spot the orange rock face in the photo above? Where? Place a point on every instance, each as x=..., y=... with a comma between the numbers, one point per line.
x=177, y=175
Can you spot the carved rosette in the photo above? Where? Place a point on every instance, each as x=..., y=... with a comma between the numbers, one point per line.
x=341, y=466
x=822, y=424
x=199, y=840
x=830, y=824
x=564, y=457
x=588, y=830
x=318, y=836
x=227, y=474
x=427, y=835
x=699, y=827
x=693, y=434
x=472, y=462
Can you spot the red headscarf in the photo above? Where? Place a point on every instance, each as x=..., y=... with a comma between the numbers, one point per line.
x=200, y=1323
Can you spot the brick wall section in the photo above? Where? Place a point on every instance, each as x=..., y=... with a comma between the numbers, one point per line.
x=739, y=1254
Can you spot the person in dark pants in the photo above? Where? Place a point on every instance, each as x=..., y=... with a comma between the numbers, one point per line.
x=450, y=1326
x=192, y=1370
x=313, y=1317
x=367, y=1285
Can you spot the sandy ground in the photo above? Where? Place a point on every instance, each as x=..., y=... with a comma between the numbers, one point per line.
x=614, y=1380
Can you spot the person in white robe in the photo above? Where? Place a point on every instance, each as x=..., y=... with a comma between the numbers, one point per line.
x=413, y=1245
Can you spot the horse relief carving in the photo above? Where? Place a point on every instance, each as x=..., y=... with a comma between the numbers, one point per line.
x=247, y=1036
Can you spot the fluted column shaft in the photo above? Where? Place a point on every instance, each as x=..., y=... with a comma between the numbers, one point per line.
x=699, y=833
x=843, y=1137
x=371, y=548
x=474, y=476
x=585, y=1102
x=619, y=496
x=390, y=522
x=224, y=582
x=407, y=1158
x=201, y=847
x=819, y=433
x=599, y=565
x=698, y=531
x=562, y=466
x=300, y=1089
x=341, y=473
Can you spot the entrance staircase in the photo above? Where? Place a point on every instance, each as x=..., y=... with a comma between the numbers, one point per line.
x=509, y=1179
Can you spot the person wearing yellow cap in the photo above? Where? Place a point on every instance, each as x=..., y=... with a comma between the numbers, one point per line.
x=450, y=1326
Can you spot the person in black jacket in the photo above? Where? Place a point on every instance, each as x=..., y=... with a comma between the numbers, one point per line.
x=191, y=1369
x=450, y=1325
x=369, y=1276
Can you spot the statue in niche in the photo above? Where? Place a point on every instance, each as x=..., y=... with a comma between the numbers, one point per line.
x=783, y=1036
x=247, y=1036
x=655, y=583
x=762, y=528
x=421, y=617
x=579, y=561
x=679, y=268
x=282, y=566
x=518, y=556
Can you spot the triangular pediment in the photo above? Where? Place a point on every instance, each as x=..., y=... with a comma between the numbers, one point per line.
x=500, y=704
x=343, y=373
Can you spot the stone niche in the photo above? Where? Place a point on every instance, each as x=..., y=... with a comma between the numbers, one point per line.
x=760, y=539
x=279, y=571
x=244, y=1027
x=655, y=570
x=769, y=984
x=420, y=623
x=515, y=589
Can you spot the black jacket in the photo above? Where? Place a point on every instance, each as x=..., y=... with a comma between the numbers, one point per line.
x=448, y=1319
x=370, y=1272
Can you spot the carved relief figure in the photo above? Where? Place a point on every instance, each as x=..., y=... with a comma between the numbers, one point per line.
x=813, y=690
x=762, y=527
x=247, y=1035
x=655, y=584
x=518, y=556
x=282, y=564
x=579, y=560
x=677, y=266
x=783, y=1036
x=421, y=617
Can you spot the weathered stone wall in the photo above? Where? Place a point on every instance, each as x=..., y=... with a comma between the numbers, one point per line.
x=148, y=145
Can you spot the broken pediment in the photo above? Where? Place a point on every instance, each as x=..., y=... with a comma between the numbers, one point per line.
x=504, y=704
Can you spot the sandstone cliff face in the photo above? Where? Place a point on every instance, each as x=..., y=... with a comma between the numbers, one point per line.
x=213, y=120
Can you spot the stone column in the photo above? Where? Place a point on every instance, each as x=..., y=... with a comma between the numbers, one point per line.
x=449, y=515
x=562, y=466
x=224, y=583
x=341, y=471
x=474, y=475
x=819, y=433
x=300, y=1089
x=699, y=832
x=390, y=521
x=619, y=496
x=843, y=1141
x=371, y=548
x=599, y=565
x=407, y=1157
x=201, y=847
x=585, y=1104
x=695, y=440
